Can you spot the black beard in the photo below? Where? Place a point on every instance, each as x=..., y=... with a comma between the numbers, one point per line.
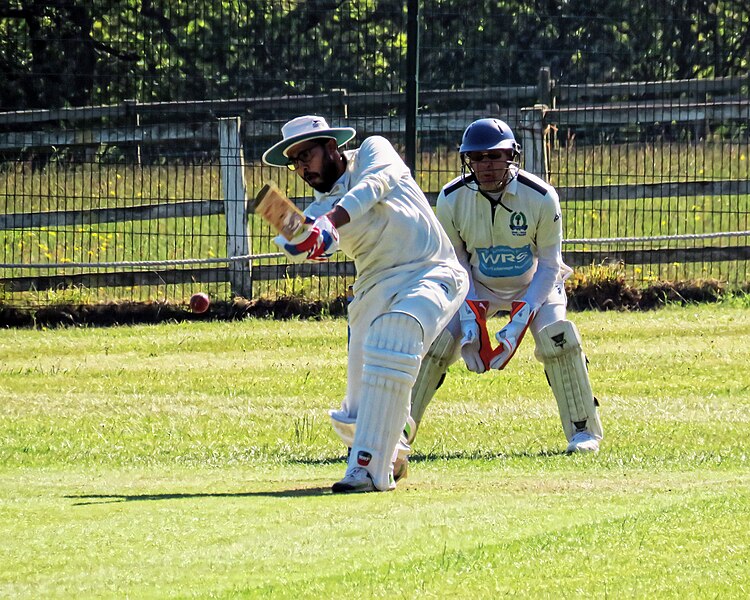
x=329, y=174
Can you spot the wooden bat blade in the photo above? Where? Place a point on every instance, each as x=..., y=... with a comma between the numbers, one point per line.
x=279, y=211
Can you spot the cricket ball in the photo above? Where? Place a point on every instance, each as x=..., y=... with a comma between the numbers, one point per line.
x=199, y=302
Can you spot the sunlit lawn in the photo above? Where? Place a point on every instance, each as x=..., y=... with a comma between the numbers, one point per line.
x=195, y=460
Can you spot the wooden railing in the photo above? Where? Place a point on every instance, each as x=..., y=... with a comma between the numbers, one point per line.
x=232, y=123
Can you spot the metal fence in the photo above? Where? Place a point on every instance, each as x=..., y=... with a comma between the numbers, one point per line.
x=139, y=188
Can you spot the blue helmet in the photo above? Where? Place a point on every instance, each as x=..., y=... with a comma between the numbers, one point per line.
x=488, y=134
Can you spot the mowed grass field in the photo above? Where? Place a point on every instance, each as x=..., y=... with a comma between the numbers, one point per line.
x=194, y=460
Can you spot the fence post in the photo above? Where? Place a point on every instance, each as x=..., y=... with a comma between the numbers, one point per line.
x=339, y=103
x=534, y=140
x=134, y=119
x=544, y=87
x=232, y=163
x=412, y=84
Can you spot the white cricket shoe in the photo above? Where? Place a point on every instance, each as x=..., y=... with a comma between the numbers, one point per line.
x=356, y=481
x=583, y=441
x=401, y=468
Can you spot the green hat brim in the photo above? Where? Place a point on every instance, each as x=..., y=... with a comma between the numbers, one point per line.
x=275, y=156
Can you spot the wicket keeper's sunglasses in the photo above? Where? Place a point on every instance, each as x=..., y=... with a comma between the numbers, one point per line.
x=480, y=156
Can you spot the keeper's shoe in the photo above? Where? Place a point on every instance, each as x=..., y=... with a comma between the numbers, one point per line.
x=582, y=442
x=401, y=468
x=356, y=481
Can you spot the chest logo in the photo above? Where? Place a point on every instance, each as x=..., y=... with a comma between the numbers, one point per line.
x=518, y=224
x=504, y=261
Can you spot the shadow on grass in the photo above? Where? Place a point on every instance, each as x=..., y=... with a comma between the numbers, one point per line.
x=433, y=456
x=480, y=455
x=86, y=499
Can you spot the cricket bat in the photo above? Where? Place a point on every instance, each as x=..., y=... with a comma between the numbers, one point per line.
x=279, y=211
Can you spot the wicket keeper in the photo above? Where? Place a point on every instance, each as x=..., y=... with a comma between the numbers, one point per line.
x=506, y=227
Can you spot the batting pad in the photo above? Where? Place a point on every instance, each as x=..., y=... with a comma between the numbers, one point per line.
x=392, y=352
x=431, y=375
x=344, y=426
x=558, y=346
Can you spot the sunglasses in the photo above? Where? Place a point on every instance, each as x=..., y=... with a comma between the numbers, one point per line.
x=480, y=156
x=303, y=158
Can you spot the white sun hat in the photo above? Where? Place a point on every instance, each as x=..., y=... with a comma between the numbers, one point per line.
x=298, y=130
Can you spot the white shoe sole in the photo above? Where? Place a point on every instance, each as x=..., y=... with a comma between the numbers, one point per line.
x=588, y=447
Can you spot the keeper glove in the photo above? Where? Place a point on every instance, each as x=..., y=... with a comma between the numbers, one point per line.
x=475, y=343
x=510, y=336
x=317, y=243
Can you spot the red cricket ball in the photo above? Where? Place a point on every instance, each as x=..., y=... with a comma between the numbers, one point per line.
x=199, y=302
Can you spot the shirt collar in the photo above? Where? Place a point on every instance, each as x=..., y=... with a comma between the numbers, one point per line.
x=510, y=188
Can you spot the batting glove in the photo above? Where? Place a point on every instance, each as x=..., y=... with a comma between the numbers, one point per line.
x=510, y=336
x=475, y=343
x=318, y=243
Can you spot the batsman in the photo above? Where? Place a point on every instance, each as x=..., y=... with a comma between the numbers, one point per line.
x=409, y=283
x=506, y=227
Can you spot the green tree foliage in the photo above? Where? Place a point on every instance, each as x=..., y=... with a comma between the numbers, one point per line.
x=83, y=52
x=583, y=41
